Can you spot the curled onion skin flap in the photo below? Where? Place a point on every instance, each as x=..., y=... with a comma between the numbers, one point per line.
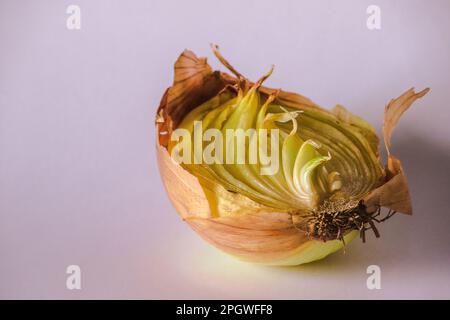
x=256, y=218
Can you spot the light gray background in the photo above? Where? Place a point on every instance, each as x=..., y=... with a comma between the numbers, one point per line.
x=78, y=177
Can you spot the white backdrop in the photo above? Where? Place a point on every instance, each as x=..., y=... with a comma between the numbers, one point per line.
x=78, y=178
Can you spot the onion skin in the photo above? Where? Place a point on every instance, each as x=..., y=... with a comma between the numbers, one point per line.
x=257, y=234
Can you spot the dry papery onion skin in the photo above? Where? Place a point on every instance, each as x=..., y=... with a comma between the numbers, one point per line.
x=278, y=224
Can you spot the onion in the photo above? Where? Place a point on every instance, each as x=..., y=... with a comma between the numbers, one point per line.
x=326, y=185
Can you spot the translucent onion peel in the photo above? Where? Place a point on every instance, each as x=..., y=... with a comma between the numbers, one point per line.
x=330, y=185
